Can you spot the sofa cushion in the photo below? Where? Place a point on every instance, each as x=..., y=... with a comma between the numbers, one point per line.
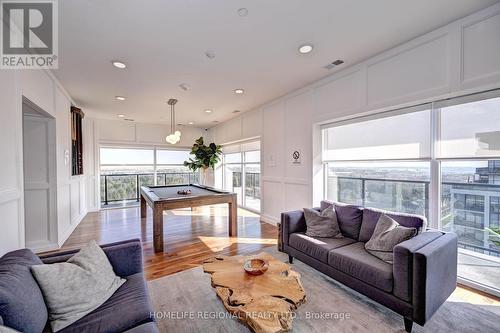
x=387, y=234
x=21, y=301
x=372, y=215
x=349, y=217
x=75, y=288
x=322, y=224
x=128, y=307
x=317, y=247
x=354, y=260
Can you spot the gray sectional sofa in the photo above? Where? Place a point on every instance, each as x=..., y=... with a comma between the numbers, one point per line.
x=128, y=310
x=422, y=276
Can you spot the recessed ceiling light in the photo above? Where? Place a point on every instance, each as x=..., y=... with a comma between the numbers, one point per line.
x=119, y=64
x=239, y=91
x=306, y=48
x=208, y=111
x=242, y=12
x=120, y=98
x=120, y=115
x=190, y=123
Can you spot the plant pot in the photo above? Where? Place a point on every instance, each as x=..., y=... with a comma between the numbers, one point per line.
x=204, y=176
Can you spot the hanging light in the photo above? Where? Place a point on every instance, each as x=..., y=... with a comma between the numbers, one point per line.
x=174, y=136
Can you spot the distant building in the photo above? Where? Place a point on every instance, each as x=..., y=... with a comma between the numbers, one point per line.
x=475, y=209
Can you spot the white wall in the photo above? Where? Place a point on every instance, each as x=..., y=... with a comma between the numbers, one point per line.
x=460, y=58
x=41, y=88
x=125, y=133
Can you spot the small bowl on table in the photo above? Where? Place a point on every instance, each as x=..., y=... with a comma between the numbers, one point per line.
x=255, y=266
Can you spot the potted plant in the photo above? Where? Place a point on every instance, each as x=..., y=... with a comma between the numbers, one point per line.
x=205, y=157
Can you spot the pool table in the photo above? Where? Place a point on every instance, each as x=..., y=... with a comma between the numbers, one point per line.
x=161, y=198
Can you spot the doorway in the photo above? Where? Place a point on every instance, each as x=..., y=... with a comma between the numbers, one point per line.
x=40, y=177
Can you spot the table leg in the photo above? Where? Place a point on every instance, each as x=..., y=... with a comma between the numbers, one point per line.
x=233, y=218
x=158, y=229
x=144, y=207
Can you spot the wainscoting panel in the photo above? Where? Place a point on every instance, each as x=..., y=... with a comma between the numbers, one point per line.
x=481, y=50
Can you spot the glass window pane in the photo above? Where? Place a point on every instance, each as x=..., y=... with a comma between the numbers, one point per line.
x=232, y=158
x=252, y=156
x=233, y=179
x=252, y=186
x=405, y=136
x=470, y=207
x=126, y=156
x=395, y=186
x=171, y=156
x=174, y=175
x=470, y=129
x=119, y=183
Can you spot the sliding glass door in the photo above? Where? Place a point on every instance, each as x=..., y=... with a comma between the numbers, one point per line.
x=240, y=173
x=439, y=160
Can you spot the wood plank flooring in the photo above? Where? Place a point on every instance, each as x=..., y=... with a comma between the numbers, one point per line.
x=191, y=237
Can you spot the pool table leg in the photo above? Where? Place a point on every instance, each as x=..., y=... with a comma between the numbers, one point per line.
x=158, y=229
x=233, y=218
x=143, y=207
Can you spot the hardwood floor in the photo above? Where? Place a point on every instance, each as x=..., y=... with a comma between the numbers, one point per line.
x=191, y=237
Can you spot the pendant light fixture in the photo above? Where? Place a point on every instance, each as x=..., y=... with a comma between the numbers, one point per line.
x=174, y=136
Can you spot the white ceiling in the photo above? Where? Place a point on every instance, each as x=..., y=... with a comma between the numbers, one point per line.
x=164, y=43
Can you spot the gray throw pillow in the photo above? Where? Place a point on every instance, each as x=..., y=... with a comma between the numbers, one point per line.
x=387, y=234
x=322, y=224
x=74, y=288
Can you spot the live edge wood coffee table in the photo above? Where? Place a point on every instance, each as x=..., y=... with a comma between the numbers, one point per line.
x=263, y=302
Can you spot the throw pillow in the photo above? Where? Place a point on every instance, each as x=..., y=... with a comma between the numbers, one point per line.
x=74, y=288
x=387, y=234
x=322, y=224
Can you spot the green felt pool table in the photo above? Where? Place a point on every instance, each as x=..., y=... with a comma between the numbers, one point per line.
x=161, y=198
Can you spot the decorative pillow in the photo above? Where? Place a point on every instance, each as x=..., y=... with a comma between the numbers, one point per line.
x=322, y=224
x=78, y=286
x=387, y=234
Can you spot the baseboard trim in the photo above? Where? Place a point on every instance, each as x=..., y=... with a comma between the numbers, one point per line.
x=269, y=219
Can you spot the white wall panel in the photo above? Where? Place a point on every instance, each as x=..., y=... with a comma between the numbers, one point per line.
x=340, y=95
x=412, y=73
x=116, y=131
x=296, y=196
x=298, y=135
x=273, y=140
x=481, y=50
x=251, y=124
x=9, y=224
x=38, y=87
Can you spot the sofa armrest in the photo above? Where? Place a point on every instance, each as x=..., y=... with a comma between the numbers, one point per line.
x=403, y=262
x=434, y=276
x=124, y=256
x=292, y=222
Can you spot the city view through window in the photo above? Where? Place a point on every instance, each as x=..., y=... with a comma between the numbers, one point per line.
x=124, y=170
x=363, y=166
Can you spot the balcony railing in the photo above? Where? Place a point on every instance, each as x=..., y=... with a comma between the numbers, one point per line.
x=412, y=196
x=126, y=186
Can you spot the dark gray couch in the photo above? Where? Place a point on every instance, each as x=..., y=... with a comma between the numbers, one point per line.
x=423, y=275
x=129, y=309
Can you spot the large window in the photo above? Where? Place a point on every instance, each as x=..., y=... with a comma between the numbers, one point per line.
x=440, y=160
x=124, y=170
x=239, y=172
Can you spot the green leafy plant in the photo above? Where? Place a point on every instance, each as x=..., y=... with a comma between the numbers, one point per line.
x=204, y=156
